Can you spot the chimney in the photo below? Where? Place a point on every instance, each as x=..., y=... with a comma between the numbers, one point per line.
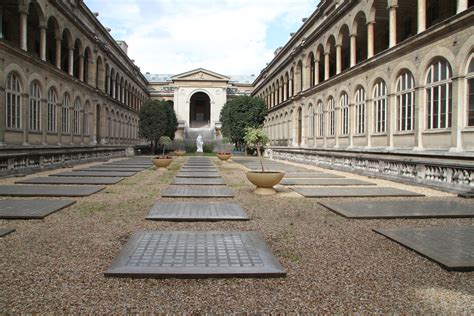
x=123, y=45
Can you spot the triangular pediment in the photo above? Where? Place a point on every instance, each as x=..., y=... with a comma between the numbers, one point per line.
x=200, y=74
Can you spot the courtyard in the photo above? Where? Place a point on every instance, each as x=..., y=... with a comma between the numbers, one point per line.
x=332, y=263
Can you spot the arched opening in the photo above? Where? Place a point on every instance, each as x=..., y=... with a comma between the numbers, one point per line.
x=360, y=29
x=66, y=44
x=199, y=110
x=97, y=123
x=87, y=64
x=439, y=10
x=299, y=76
x=277, y=92
x=331, y=49
x=292, y=86
x=52, y=34
x=320, y=58
x=312, y=71
x=300, y=126
x=381, y=27
x=406, y=19
x=99, y=74
x=287, y=86
x=76, y=58
x=33, y=29
x=345, y=43
x=10, y=22
x=470, y=92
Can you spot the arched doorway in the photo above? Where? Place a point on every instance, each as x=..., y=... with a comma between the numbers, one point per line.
x=300, y=126
x=199, y=110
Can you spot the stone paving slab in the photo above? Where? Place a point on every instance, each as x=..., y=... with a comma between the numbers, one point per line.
x=156, y=254
x=72, y=180
x=196, y=165
x=353, y=192
x=93, y=174
x=109, y=169
x=401, y=209
x=451, y=247
x=199, y=181
x=49, y=190
x=309, y=175
x=193, y=192
x=325, y=182
x=198, y=175
x=6, y=231
x=141, y=165
x=199, y=170
x=31, y=209
x=197, y=212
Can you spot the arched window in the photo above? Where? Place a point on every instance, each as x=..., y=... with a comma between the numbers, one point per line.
x=34, y=114
x=405, y=102
x=52, y=101
x=439, y=95
x=320, y=118
x=344, y=104
x=76, y=117
x=311, y=120
x=360, y=110
x=380, y=107
x=65, y=113
x=13, y=102
x=331, y=117
x=470, y=93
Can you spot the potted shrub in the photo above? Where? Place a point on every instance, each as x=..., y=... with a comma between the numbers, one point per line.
x=263, y=180
x=226, y=153
x=163, y=161
x=179, y=151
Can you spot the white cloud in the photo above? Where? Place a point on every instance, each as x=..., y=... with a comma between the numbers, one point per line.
x=228, y=37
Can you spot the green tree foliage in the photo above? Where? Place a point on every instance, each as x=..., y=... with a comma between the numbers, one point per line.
x=241, y=113
x=157, y=119
x=258, y=138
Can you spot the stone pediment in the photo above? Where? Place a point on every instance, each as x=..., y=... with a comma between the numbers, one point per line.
x=200, y=75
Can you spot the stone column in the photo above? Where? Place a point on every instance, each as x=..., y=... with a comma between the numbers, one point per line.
x=23, y=29
x=351, y=126
x=457, y=114
x=113, y=88
x=369, y=121
x=325, y=126
x=353, y=49
x=24, y=117
x=316, y=72
x=81, y=67
x=292, y=93
x=326, y=66
x=44, y=119
x=370, y=39
x=391, y=118
x=43, y=42
x=2, y=110
x=285, y=92
x=59, y=113
x=419, y=117
x=462, y=6
x=71, y=61
x=337, y=125
x=1, y=24
x=421, y=15
x=338, y=58
x=393, y=25
x=58, y=53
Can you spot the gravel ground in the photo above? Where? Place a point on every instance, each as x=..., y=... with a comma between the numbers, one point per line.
x=333, y=264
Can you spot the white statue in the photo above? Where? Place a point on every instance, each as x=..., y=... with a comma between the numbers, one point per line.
x=199, y=144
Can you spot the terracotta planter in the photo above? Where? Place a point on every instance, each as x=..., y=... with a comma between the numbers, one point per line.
x=223, y=156
x=180, y=153
x=162, y=163
x=265, y=181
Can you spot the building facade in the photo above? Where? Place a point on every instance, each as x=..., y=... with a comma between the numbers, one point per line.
x=389, y=80
x=64, y=81
x=198, y=97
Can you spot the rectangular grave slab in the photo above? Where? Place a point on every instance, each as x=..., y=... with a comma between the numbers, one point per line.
x=352, y=192
x=155, y=254
x=311, y=175
x=451, y=247
x=111, y=169
x=72, y=180
x=199, y=181
x=93, y=174
x=401, y=209
x=49, y=190
x=198, y=175
x=325, y=182
x=128, y=165
x=197, y=212
x=6, y=231
x=31, y=209
x=196, y=165
x=192, y=192
x=198, y=170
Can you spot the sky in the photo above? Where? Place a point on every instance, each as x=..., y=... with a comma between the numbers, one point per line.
x=231, y=37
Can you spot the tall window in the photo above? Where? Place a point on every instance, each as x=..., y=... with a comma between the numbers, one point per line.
x=65, y=114
x=34, y=117
x=380, y=107
x=311, y=120
x=52, y=101
x=405, y=102
x=344, y=104
x=331, y=117
x=13, y=101
x=320, y=118
x=360, y=110
x=470, y=93
x=76, y=118
x=439, y=95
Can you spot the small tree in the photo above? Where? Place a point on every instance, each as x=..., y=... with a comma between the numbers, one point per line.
x=165, y=141
x=240, y=113
x=156, y=119
x=256, y=137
